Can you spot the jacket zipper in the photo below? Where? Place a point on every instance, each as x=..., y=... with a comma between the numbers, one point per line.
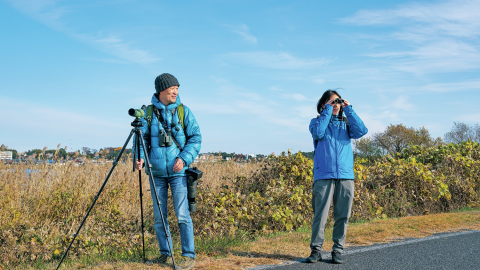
x=336, y=152
x=166, y=148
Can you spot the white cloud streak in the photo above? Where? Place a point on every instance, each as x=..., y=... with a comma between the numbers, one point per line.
x=116, y=46
x=472, y=117
x=57, y=124
x=443, y=37
x=438, y=87
x=273, y=60
x=296, y=96
x=50, y=13
x=243, y=31
x=254, y=105
x=402, y=103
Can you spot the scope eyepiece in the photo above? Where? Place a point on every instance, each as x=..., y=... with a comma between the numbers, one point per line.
x=138, y=113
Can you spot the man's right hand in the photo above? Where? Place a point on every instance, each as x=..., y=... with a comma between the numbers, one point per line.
x=139, y=164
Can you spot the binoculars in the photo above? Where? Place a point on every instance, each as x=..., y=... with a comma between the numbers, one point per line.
x=338, y=100
x=165, y=138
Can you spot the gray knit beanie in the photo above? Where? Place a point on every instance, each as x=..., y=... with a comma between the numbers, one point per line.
x=165, y=81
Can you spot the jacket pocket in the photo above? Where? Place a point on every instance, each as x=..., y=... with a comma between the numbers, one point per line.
x=323, y=159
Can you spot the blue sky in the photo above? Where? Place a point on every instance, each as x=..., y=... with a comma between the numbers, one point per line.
x=251, y=71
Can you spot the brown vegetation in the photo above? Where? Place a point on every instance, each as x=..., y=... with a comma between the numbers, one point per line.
x=41, y=210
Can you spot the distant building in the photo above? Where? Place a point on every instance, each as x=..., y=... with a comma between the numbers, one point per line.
x=208, y=157
x=6, y=155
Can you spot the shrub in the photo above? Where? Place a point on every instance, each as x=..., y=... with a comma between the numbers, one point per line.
x=42, y=209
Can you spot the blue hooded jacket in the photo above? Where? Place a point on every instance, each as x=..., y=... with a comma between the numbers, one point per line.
x=331, y=139
x=163, y=158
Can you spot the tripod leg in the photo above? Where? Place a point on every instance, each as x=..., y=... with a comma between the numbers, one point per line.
x=96, y=197
x=137, y=145
x=152, y=182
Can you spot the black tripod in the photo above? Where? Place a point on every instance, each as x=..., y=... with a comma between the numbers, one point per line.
x=136, y=124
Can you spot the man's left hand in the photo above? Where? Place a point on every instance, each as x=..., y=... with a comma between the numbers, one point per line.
x=178, y=166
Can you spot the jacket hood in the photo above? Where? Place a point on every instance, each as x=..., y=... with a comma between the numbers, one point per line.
x=160, y=105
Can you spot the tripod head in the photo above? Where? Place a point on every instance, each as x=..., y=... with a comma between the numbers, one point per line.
x=137, y=123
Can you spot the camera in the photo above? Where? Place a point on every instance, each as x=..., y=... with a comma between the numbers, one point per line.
x=338, y=100
x=193, y=174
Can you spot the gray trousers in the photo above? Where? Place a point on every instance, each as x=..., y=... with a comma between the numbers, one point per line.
x=342, y=193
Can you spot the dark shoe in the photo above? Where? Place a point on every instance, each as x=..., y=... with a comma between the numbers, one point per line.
x=186, y=262
x=162, y=259
x=315, y=256
x=337, y=257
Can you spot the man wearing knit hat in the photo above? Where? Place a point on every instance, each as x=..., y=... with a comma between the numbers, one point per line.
x=169, y=164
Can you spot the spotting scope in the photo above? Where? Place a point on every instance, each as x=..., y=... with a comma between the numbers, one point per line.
x=138, y=113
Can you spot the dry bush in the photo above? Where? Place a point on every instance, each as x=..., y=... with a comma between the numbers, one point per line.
x=42, y=209
x=218, y=174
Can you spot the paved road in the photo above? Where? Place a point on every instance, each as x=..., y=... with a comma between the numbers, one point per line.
x=460, y=250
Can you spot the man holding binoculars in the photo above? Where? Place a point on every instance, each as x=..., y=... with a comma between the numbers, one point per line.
x=173, y=139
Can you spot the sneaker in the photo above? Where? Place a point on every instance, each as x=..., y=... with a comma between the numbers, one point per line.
x=337, y=257
x=315, y=256
x=162, y=259
x=186, y=262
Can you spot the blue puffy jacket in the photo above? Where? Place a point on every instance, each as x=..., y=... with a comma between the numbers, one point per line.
x=331, y=139
x=163, y=158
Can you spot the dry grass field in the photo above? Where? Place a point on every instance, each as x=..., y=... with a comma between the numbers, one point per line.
x=43, y=205
x=248, y=213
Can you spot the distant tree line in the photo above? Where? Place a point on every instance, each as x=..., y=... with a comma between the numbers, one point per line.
x=395, y=138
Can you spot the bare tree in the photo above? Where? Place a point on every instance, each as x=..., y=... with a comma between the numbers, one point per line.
x=462, y=132
x=86, y=150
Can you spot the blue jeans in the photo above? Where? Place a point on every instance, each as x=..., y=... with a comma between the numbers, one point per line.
x=178, y=185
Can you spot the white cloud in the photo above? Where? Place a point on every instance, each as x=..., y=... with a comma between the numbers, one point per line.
x=274, y=60
x=49, y=13
x=44, y=117
x=243, y=31
x=44, y=11
x=57, y=125
x=403, y=103
x=235, y=100
x=455, y=17
x=251, y=96
x=471, y=117
x=276, y=89
x=306, y=112
x=372, y=122
x=214, y=108
x=439, y=87
x=391, y=116
x=443, y=37
x=452, y=87
x=295, y=96
x=114, y=45
x=318, y=80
